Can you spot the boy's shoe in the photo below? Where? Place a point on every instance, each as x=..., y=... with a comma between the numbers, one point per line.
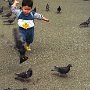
x=23, y=58
x=27, y=47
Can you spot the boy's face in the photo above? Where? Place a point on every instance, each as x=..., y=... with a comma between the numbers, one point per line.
x=26, y=9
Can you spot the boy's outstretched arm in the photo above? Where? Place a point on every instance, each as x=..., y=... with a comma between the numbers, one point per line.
x=40, y=17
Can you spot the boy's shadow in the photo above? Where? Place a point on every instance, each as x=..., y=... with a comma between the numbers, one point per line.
x=8, y=24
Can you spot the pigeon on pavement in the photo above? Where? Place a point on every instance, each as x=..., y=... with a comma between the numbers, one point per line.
x=25, y=75
x=62, y=70
x=47, y=7
x=11, y=20
x=59, y=9
x=7, y=14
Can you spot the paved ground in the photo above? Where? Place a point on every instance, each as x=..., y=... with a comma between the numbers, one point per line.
x=58, y=42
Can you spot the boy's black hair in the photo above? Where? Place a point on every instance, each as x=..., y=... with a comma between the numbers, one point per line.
x=28, y=3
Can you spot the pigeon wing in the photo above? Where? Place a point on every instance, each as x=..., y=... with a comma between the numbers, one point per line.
x=63, y=70
x=22, y=75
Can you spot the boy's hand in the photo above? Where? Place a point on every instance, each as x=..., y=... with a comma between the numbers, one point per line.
x=45, y=19
x=16, y=1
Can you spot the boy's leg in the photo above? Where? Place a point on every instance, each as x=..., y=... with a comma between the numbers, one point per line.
x=23, y=57
x=29, y=39
x=22, y=49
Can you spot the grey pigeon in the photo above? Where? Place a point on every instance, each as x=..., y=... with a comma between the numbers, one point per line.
x=10, y=20
x=59, y=9
x=35, y=9
x=7, y=14
x=25, y=75
x=86, y=23
x=47, y=7
x=62, y=70
x=10, y=2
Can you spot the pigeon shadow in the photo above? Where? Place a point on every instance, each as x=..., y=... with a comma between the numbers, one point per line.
x=58, y=12
x=82, y=26
x=22, y=79
x=60, y=75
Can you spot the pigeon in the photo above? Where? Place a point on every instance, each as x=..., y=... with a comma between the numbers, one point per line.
x=88, y=19
x=35, y=9
x=47, y=7
x=86, y=23
x=11, y=20
x=10, y=2
x=20, y=8
x=25, y=75
x=19, y=45
x=7, y=14
x=62, y=70
x=58, y=9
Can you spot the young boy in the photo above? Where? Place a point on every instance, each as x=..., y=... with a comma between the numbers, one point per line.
x=26, y=18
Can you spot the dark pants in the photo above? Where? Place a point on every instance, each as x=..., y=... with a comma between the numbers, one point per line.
x=27, y=36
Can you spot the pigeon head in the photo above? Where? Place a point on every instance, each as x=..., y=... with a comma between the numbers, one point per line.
x=29, y=72
x=56, y=67
x=69, y=65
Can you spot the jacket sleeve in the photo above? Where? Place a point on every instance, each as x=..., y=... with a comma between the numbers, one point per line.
x=38, y=16
x=15, y=10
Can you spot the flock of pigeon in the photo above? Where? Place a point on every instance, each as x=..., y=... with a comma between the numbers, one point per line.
x=24, y=76
x=48, y=8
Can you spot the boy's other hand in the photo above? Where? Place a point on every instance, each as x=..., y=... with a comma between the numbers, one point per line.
x=45, y=19
x=16, y=1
